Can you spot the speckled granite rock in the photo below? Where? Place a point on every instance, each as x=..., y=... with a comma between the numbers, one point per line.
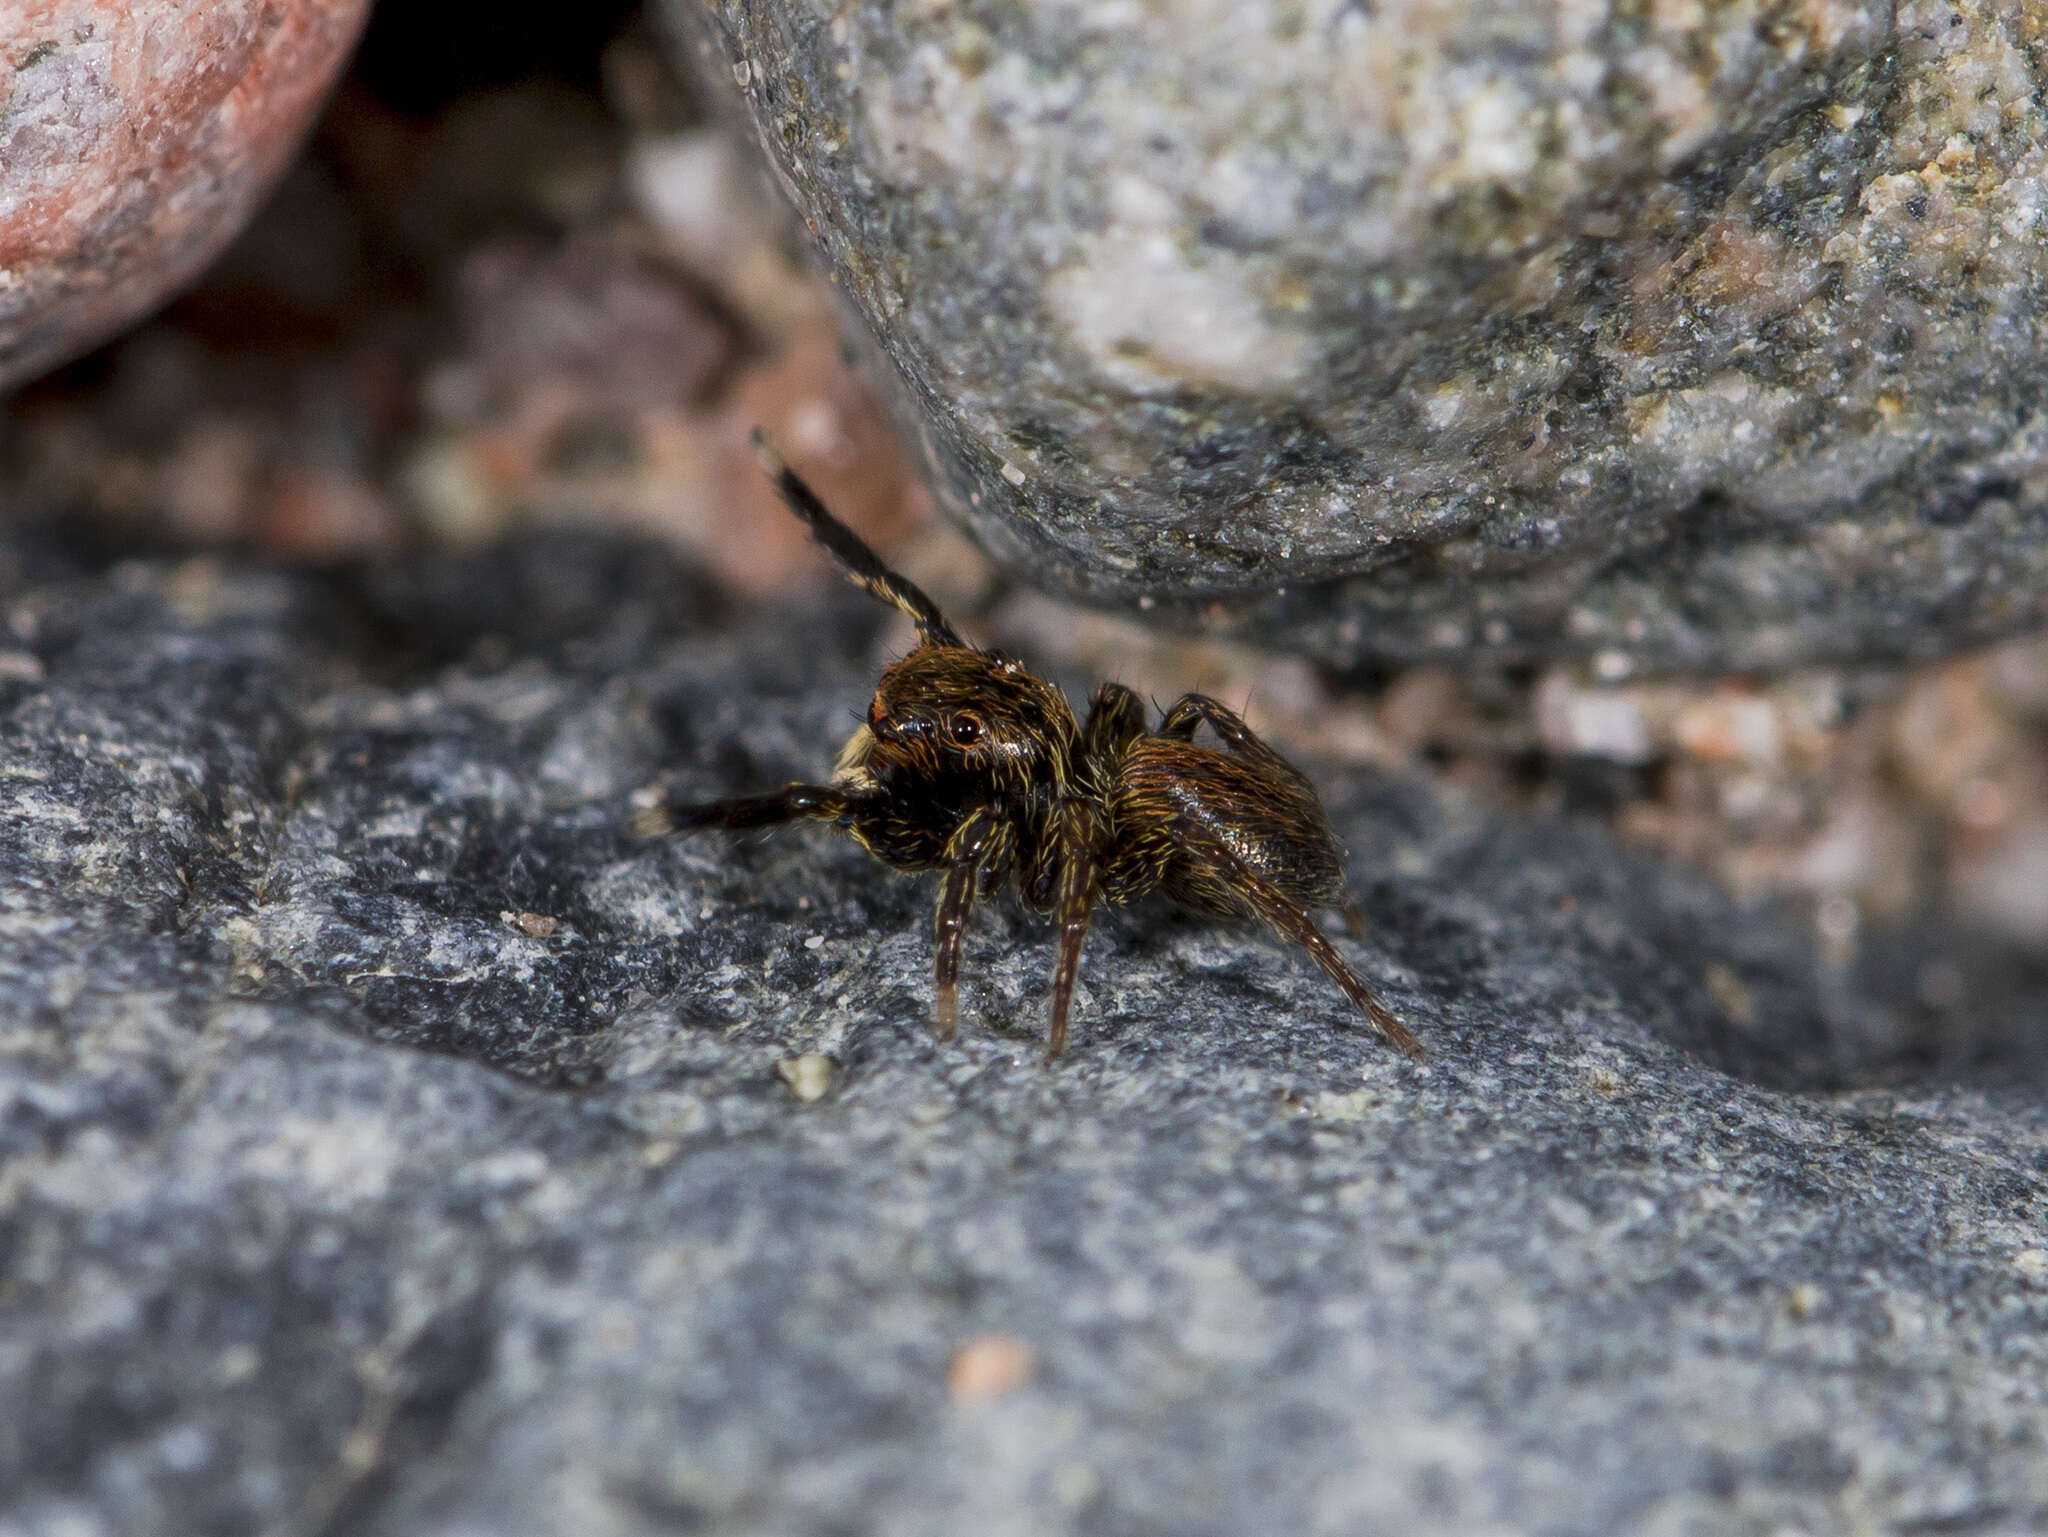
x=136, y=137
x=389, y=1146
x=1710, y=335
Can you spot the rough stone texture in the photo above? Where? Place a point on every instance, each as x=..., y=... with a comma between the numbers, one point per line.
x=1706, y=334
x=387, y=1145
x=136, y=137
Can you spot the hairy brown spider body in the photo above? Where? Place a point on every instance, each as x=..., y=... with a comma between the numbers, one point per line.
x=969, y=765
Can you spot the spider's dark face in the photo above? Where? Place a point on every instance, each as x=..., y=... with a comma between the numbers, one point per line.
x=951, y=711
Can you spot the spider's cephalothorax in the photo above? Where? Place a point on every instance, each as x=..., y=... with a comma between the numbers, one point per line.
x=969, y=765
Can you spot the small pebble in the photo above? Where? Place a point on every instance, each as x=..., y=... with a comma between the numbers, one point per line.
x=808, y=1076
x=1612, y=666
x=987, y=1367
x=1732, y=993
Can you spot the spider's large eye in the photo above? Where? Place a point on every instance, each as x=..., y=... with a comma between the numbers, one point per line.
x=965, y=730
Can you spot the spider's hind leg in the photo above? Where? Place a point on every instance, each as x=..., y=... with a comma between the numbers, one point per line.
x=1190, y=710
x=1291, y=922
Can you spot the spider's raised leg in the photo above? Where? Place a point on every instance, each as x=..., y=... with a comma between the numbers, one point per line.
x=1291, y=922
x=791, y=803
x=859, y=562
x=1078, y=838
x=975, y=844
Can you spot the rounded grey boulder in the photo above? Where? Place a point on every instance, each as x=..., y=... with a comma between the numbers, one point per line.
x=1706, y=333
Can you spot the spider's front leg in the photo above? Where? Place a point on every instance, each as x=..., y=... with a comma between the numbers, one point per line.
x=977, y=843
x=1070, y=882
x=1116, y=717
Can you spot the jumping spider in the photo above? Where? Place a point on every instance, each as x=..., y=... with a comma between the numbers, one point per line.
x=970, y=765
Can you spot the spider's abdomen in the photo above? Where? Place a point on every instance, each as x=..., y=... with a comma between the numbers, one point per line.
x=1274, y=826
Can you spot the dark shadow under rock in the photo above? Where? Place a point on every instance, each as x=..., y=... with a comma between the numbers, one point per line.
x=390, y=1144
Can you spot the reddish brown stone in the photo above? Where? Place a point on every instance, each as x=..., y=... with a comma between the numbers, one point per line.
x=136, y=136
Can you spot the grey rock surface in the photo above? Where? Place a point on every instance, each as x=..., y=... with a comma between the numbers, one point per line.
x=342, y=1192
x=1708, y=334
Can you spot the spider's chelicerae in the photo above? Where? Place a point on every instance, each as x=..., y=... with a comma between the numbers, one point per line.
x=969, y=765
